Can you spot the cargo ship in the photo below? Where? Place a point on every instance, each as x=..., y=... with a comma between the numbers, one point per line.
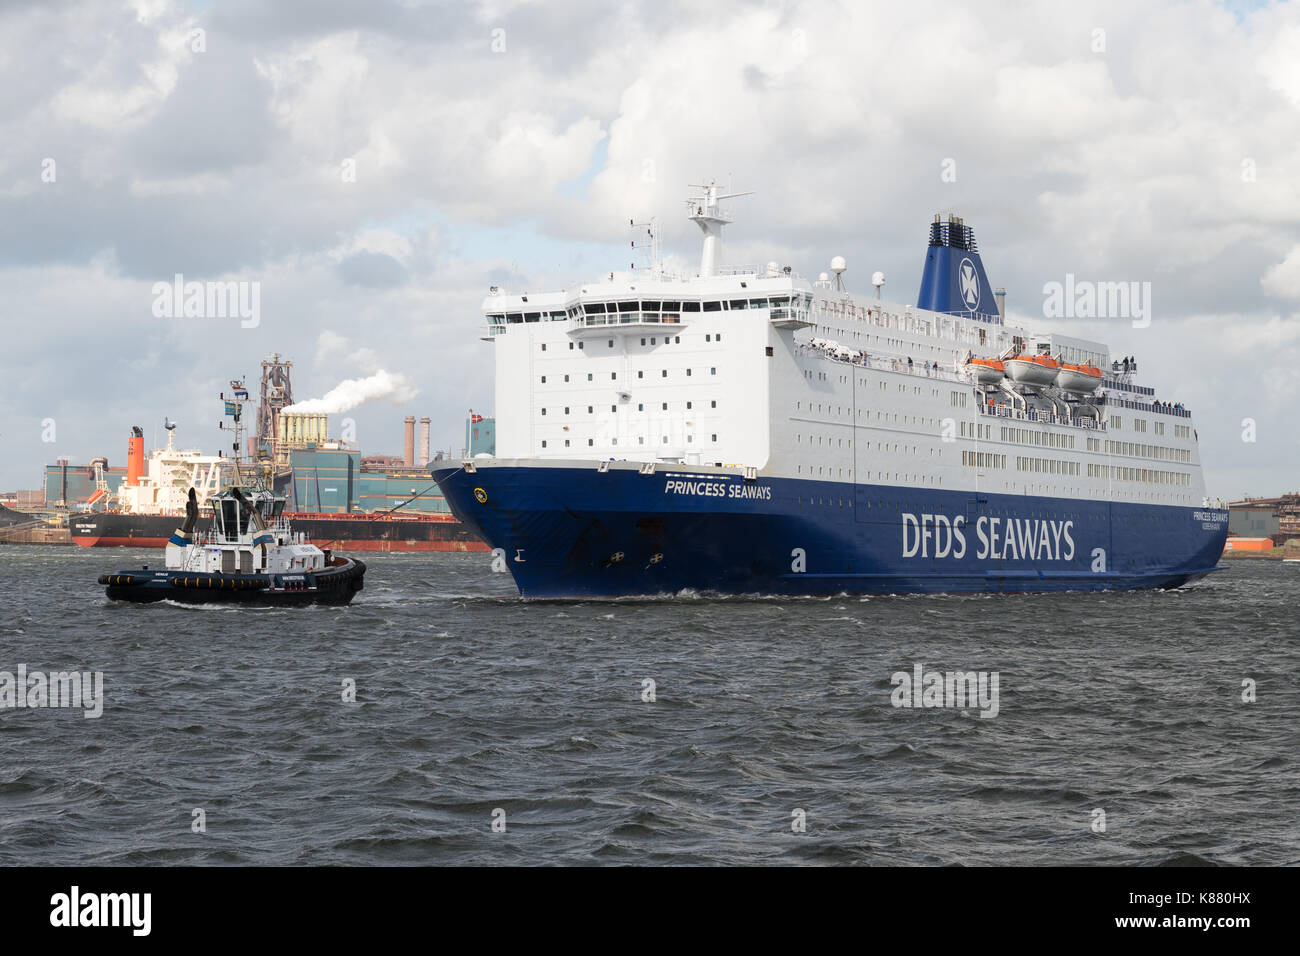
x=337, y=498
x=745, y=430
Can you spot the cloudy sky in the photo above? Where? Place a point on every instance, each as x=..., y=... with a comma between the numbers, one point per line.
x=375, y=166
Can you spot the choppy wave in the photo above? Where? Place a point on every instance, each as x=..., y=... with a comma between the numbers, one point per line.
x=683, y=728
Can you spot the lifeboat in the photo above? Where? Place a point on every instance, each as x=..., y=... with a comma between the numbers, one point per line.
x=1079, y=378
x=1032, y=369
x=985, y=371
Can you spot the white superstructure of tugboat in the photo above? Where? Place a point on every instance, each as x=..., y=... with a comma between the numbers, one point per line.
x=251, y=555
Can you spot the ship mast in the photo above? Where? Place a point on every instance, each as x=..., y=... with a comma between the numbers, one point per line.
x=710, y=217
x=234, y=409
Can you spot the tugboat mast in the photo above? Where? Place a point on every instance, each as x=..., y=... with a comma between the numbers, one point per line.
x=234, y=409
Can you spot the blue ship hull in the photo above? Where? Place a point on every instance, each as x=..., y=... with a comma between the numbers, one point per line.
x=574, y=532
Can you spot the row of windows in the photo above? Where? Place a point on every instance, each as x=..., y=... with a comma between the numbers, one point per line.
x=981, y=459
x=1047, y=466
x=1157, y=452
x=1032, y=436
x=654, y=306
x=1148, y=475
x=675, y=306
x=1182, y=431
x=831, y=472
x=690, y=439
x=663, y=373
x=654, y=340
x=1077, y=356
x=979, y=431
x=591, y=409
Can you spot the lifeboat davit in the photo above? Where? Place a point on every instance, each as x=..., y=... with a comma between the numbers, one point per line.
x=1032, y=369
x=1079, y=378
x=986, y=371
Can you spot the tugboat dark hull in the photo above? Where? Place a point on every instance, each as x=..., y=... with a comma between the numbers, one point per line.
x=336, y=584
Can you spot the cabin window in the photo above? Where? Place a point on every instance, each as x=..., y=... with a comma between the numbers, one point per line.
x=229, y=517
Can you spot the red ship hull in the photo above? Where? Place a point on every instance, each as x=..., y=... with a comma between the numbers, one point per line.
x=345, y=532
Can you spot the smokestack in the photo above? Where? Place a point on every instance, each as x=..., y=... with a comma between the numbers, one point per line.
x=1001, y=295
x=135, y=456
x=408, y=452
x=424, y=441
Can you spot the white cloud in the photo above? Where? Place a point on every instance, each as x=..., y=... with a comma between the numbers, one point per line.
x=1283, y=278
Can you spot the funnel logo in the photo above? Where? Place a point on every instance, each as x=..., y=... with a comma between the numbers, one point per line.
x=970, y=284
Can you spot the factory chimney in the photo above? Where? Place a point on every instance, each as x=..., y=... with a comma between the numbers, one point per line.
x=424, y=442
x=408, y=451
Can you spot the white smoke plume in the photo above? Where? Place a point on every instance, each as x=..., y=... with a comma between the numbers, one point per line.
x=352, y=392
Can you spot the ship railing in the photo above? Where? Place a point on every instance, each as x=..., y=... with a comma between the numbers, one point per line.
x=625, y=318
x=1145, y=407
x=1041, y=417
x=867, y=360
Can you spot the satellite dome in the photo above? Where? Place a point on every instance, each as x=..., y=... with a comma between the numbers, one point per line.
x=837, y=265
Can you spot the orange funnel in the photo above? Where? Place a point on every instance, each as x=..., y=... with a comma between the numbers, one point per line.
x=135, y=456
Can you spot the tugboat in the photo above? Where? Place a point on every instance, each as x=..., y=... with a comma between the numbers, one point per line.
x=251, y=556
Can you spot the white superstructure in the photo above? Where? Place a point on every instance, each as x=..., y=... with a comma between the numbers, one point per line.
x=169, y=475
x=761, y=370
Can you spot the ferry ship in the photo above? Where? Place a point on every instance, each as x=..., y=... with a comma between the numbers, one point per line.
x=748, y=431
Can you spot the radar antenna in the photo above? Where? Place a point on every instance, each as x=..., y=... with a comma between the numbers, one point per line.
x=645, y=244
